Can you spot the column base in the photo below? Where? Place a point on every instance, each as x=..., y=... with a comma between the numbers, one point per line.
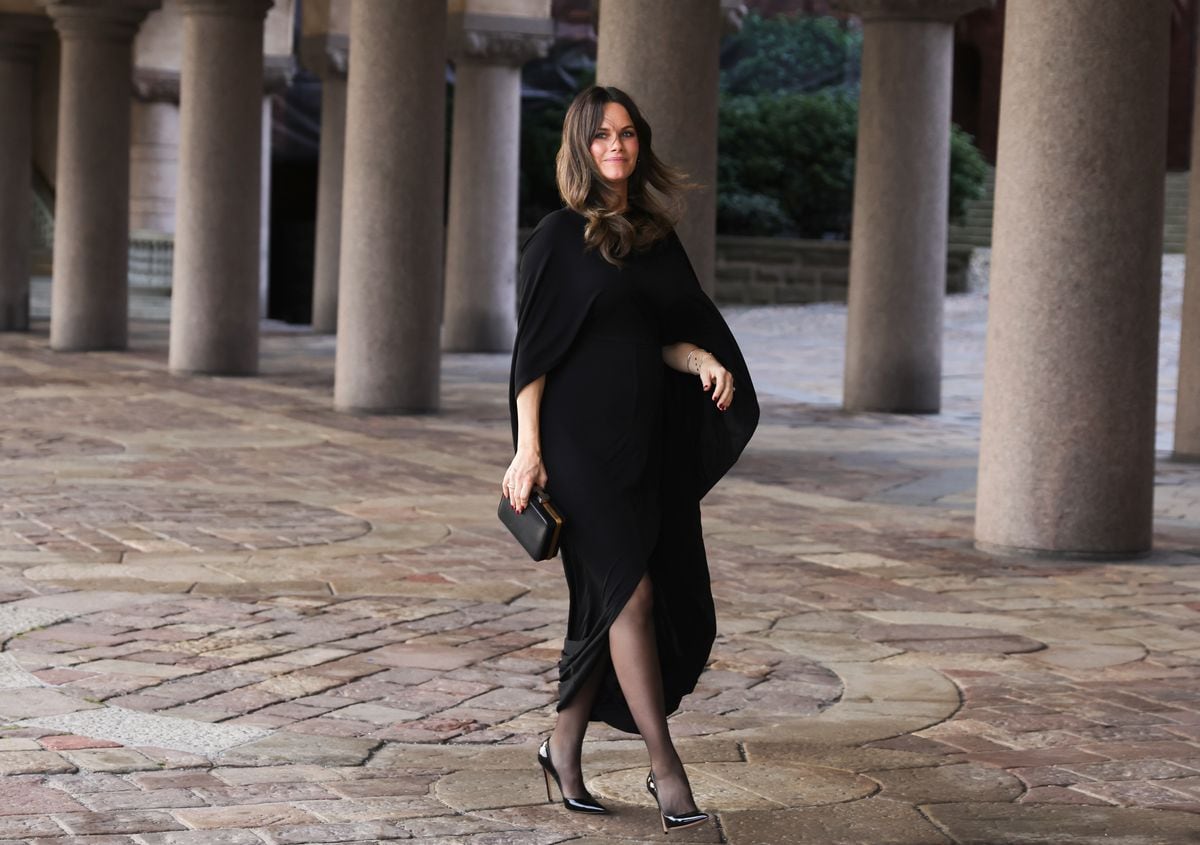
x=177, y=371
x=1081, y=555
x=889, y=409
x=366, y=411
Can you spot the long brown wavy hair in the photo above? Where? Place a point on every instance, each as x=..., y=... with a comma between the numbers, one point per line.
x=655, y=188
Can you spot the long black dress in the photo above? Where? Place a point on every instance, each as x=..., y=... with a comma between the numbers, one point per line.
x=630, y=445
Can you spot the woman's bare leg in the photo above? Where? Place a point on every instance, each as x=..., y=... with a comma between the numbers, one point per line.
x=566, y=741
x=634, y=652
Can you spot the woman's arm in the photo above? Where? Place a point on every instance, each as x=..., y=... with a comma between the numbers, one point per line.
x=690, y=358
x=526, y=470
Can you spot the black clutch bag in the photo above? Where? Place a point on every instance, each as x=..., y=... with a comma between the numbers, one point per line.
x=537, y=528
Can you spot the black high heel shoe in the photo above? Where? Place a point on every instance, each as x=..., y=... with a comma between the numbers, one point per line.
x=669, y=822
x=586, y=804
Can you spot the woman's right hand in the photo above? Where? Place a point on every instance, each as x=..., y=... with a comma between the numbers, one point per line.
x=524, y=473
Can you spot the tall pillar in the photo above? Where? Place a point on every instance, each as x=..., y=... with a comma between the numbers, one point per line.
x=674, y=82
x=481, y=235
x=154, y=162
x=20, y=37
x=264, y=208
x=901, y=192
x=1067, y=454
x=1187, y=408
x=390, y=292
x=89, y=306
x=215, y=288
x=328, y=57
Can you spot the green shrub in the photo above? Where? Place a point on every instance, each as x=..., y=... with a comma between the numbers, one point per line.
x=795, y=150
x=968, y=170
x=786, y=165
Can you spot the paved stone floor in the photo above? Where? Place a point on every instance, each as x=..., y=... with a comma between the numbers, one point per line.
x=231, y=615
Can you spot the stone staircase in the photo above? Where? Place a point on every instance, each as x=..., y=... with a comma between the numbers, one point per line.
x=1175, y=222
x=976, y=227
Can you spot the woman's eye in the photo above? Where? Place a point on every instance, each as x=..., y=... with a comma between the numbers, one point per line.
x=628, y=133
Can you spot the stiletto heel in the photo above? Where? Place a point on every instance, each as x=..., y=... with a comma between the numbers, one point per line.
x=669, y=822
x=587, y=804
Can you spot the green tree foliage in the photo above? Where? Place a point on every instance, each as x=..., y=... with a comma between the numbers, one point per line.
x=784, y=54
x=541, y=134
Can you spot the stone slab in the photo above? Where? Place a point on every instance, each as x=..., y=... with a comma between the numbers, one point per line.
x=133, y=727
x=1062, y=824
x=16, y=705
x=957, y=782
x=298, y=748
x=873, y=820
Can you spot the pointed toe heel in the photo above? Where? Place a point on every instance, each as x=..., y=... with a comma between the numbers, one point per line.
x=586, y=804
x=670, y=822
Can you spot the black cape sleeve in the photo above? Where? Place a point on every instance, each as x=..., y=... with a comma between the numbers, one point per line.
x=701, y=443
x=551, y=307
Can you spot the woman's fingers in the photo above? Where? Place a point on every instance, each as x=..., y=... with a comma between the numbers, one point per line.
x=723, y=392
x=522, y=497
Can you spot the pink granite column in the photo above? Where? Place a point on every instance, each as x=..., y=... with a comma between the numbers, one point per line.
x=1066, y=460
x=390, y=278
x=481, y=234
x=89, y=295
x=327, y=56
x=215, y=287
x=901, y=190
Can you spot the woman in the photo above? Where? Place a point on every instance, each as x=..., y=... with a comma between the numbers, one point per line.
x=622, y=403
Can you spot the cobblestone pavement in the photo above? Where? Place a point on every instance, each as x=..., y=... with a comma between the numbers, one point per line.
x=231, y=615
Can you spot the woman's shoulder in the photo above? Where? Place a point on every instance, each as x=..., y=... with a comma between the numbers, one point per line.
x=557, y=228
x=561, y=220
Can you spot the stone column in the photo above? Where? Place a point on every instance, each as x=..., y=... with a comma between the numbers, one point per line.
x=1067, y=454
x=89, y=305
x=1187, y=409
x=390, y=294
x=666, y=56
x=20, y=37
x=264, y=208
x=481, y=250
x=215, y=294
x=901, y=191
x=154, y=152
x=329, y=59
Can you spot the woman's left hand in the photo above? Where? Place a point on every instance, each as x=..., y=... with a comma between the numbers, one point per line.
x=718, y=379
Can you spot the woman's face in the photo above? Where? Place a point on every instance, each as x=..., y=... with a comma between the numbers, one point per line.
x=615, y=144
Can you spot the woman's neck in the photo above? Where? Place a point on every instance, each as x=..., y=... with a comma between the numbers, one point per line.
x=621, y=205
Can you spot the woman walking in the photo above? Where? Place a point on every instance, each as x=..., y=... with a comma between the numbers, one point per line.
x=629, y=399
